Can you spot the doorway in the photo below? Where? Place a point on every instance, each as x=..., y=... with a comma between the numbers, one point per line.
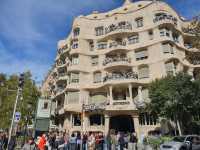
x=122, y=123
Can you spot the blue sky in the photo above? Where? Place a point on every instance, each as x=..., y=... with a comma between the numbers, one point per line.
x=30, y=29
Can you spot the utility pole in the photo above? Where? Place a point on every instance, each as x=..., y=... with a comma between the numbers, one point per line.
x=20, y=86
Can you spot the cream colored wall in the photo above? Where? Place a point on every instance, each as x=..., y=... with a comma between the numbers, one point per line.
x=156, y=58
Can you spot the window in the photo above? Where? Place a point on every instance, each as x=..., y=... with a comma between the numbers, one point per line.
x=97, y=77
x=96, y=120
x=141, y=54
x=143, y=72
x=102, y=45
x=94, y=60
x=45, y=106
x=175, y=37
x=75, y=60
x=170, y=68
x=91, y=43
x=150, y=34
x=165, y=32
x=133, y=39
x=74, y=78
x=147, y=119
x=75, y=44
x=168, y=48
x=76, y=120
x=139, y=22
x=99, y=31
x=73, y=97
x=76, y=32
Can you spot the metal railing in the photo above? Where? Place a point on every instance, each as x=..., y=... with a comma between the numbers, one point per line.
x=120, y=76
x=109, y=60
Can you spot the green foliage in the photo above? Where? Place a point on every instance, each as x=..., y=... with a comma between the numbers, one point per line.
x=8, y=90
x=175, y=97
x=155, y=142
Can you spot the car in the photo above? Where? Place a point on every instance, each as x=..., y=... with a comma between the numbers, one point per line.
x=187, y=142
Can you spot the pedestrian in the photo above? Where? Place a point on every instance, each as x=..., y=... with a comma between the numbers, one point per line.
x=72, y=142
x=133, y=142
x=66, y=141
x=121, y=141
x=30, y=145
x=91, y=142
x=114, y=141
x=1, y=141
x=78, y=141
x=84, y=141
x=42, y=142
x=12, y=143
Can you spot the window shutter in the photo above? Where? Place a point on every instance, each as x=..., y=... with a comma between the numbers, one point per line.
x=73, y=97
x=144, y=72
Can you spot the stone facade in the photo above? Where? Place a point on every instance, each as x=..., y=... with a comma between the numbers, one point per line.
x=103, y=68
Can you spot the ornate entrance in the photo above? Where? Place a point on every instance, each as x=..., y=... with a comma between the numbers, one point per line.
x=122, y=123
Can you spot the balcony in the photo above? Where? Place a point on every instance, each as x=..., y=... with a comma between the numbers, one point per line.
x=193, y=58
x=188, y=30
x=117, y=43
x=118, y=27
x=120, y=76
x=165, y=18
x=110, y=60
x=61, y=63
x=121, y=102
x=95, y=107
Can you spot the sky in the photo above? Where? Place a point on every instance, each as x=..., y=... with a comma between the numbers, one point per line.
x=30, y=29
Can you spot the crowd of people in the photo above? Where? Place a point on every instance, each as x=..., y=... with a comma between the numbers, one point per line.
x=87, y=141
x=75, y=141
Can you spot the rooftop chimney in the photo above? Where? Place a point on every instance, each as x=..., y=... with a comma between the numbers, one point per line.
x=127, y=2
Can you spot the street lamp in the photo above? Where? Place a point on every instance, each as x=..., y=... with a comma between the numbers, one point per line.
x=28, y=118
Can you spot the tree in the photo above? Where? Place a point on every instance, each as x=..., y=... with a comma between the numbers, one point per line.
x=176, y=98
x=8, y=90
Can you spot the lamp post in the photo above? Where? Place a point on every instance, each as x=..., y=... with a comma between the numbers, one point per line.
x=28, y=117
x=19, y=90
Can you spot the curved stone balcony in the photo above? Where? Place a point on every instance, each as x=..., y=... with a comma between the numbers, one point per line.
x=193, y=58
x=165, y=19
x=121, y=105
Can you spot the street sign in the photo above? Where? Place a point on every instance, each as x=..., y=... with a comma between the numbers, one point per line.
x=17, y=116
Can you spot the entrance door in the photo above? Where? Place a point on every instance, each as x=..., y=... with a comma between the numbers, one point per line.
x=122, y=123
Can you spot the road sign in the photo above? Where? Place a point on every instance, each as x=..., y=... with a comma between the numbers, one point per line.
x=17, y=116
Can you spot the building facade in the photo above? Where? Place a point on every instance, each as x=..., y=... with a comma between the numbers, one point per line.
x=103, y=68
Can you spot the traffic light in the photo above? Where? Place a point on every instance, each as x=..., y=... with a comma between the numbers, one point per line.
x=21, y=80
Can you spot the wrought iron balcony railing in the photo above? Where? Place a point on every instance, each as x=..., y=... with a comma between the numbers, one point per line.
x=120, y=76
x=110, y=60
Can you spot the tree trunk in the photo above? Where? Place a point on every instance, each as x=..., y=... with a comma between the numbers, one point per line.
x=179, y=127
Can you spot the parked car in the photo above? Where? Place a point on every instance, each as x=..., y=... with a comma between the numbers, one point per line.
x=188, y=142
